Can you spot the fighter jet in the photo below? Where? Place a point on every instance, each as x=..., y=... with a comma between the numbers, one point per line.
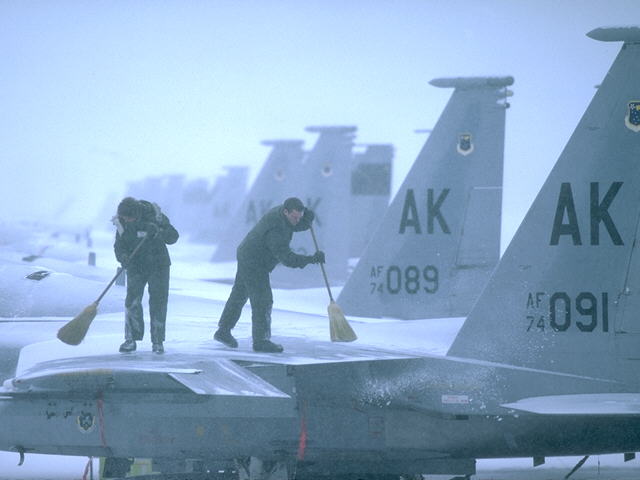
x=321, y=179
x=370, y=193
x=222, y=204
x=439, y=239
x=324, y=186
x=545, y=364
x=275, y=182
x=33, y=291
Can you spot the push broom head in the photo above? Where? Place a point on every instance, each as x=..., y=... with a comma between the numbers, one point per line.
x=74, y=332
x=339, y=328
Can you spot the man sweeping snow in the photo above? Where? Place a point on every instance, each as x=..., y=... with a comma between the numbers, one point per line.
x=266, y=245
x=139, y=220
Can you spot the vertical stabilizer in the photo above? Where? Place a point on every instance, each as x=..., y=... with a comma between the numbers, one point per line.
x=439, y=239
x=370, y=194
x=222, y=204
x=323, y=186
x=278, y=179
x=566, y=294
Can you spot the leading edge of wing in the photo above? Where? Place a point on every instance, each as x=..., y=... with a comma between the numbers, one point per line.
x=202, y=367
x=580, y=404
x=216, y=377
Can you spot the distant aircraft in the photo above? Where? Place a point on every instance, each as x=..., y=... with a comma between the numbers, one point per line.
x=546, y=364
x=199, y=211
x=370, y=194
x=321, y=179
x=28, y=290
x=439, y=239
x=32, y=296
x=324, y=185
x=223, y=203
x=277, y=180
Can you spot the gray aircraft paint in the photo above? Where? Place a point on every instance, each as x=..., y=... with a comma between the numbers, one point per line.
x=566, y=294
x=33, y=291
x=324, y=186
x=321, y=179
x=169, y=194
x=166, y=191
x=221, y=206
x=370, y=194
x=439, y=240
x=197, y=210
x=188, y=210
x=326, y=409
x=386, y=412
x=278, y=179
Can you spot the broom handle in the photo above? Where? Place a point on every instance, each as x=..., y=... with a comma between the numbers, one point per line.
x=115, y=277
x=324, y=274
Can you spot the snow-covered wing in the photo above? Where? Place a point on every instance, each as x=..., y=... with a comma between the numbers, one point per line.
x=216, y=377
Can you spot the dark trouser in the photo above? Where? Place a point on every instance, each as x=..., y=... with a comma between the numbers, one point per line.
x=158, y=280
x=255, y=286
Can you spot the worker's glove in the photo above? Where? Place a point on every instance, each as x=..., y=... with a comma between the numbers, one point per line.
x=309, y=215
x=317, y=257
x=152, y=229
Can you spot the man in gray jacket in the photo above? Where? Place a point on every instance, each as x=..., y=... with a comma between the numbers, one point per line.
x=138, y=220
x=266, y=245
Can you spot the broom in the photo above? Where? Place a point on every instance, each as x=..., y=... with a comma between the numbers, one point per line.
x=74, y=331
x=339, y=328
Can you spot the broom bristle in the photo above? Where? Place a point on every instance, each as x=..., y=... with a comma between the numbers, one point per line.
x=75, y=330
x=339, y=327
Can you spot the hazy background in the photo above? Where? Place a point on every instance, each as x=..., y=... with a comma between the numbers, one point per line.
x=94, y=94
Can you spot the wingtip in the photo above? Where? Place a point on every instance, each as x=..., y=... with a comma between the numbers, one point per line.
x=331, y=129
x=282, y=142
x=472, y=82
x=627, y=34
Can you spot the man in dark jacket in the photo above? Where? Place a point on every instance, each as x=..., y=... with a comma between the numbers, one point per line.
x=266, y=245
x=141, y=221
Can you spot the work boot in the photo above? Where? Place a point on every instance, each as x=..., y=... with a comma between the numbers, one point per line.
x=267, y=346
x=157, y=348
x=225, y=337
x=128, y=346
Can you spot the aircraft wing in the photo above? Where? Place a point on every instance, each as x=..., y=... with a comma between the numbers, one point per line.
x=201, y=367
x=215, y=377
x=580, y=404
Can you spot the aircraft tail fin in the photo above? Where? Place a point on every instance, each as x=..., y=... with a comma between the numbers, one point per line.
x=276, y=181
x=439, y=240
x=566, y=294
x=370, y=193
x=221, y=205
x=324, y=186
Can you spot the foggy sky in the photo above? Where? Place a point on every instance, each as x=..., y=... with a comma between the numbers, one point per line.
x=96, y=94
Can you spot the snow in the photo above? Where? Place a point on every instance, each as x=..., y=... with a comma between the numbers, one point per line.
x=299, y=322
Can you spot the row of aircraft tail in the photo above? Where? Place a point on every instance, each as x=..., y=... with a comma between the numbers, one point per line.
x=438, y=240
x=346, y=191
x=427, y=255
x=545, y=364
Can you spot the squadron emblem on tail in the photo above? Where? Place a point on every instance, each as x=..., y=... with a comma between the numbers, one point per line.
x=632, y=119
x=465, y=145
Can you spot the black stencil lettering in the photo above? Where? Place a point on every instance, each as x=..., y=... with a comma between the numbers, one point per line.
x=433, y=210
x=410, y=213
x=560, y=311
x=600, y=213
x=587, y=306
x=565, y=204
